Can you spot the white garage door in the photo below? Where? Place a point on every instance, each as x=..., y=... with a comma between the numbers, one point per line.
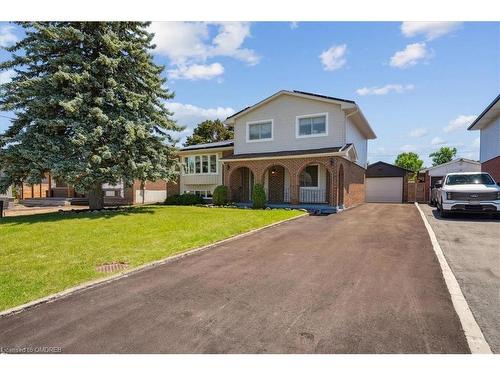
x=384, y=189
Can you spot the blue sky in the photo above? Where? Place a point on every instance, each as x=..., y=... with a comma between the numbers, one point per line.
x=418, y=84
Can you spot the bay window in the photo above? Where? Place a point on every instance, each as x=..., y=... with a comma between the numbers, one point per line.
x=200, y=164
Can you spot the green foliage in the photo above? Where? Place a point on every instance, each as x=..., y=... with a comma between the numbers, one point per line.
x=184, y=200
x=443, y=155
x=210, y=131
x=89, y=106
x=220, y=195
x=410, y=161
x=258, y=196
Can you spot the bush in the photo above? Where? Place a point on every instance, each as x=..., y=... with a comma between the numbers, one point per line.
x=220, y=195
x=184, y=200
x=258, y=196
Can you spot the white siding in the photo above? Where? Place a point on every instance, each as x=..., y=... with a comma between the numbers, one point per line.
x=353, y=135
x=283, y=111
x=457, y=166
x=490, y=141
x=194, y=182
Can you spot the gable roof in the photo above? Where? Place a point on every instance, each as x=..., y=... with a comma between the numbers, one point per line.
x=490, y=113
x=383, y=169
x=463, y=160
x=349, y=106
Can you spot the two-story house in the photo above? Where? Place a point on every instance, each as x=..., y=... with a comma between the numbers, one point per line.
x=488, y=124
x=304, y=148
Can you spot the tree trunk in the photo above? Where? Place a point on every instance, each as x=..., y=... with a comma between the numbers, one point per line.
x=96, y=197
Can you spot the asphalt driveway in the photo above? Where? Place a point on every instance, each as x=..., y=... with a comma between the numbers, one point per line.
x=471, y=245
x=363, y=281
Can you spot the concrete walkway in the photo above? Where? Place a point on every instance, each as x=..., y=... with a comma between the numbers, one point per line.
x=363, y=281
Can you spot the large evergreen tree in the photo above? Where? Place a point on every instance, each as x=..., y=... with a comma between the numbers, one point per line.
x=210, y=131
x=89, y=107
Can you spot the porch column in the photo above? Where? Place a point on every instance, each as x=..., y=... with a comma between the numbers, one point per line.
x=334, y=183
x=294, y=188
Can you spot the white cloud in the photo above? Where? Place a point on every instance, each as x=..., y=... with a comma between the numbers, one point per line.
x=190, y=115
x=418, y=132
x=476, y=143
x=410, y=56
x=7, y=37
x=190, y=43
x=334, y=57
x=408, y=148
x=384, y=90
x=461, y=122
x=6, y=76
x=431, y=30
x=437, y=141
x=294, y=25
x=196, y=71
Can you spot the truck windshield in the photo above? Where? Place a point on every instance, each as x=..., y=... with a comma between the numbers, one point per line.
x=469, y=179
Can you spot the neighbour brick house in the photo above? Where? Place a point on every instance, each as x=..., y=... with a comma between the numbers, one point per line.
x=488, y=124
x=303, y=148
x=149, y=192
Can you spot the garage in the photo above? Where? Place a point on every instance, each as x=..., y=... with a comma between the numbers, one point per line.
x=385, y=183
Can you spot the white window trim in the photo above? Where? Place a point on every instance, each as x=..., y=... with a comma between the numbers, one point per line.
x=259, y=122
x=184, y=173
x=297, y=118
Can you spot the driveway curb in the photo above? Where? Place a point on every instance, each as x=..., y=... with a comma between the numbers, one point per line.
x=126, y=273
x=475, y=338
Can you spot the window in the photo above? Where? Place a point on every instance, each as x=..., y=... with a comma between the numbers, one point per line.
x=309, y=176
x=469, y=179
x=201, y=193
x=312, y=125
x=200, y=164
x=260, y=131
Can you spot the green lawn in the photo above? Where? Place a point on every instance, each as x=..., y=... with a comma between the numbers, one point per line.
x=44, y=254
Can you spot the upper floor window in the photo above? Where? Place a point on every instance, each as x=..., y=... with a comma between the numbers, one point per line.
x=312, y=125
x=200, y=164
x=260, y=131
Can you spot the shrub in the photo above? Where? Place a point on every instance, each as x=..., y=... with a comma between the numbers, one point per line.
x=258, y=196
x=220, y=195
x=184, y=200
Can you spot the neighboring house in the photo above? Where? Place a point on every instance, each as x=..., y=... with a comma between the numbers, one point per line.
x=438, y=172
x=201, y=167
x=52, y=190
x=488, y=124
x=386, y=183
x=304, y=148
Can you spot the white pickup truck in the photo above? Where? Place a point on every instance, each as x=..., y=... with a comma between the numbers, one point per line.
x=474, y=192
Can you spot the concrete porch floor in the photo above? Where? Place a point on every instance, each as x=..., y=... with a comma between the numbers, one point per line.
x=318, y=208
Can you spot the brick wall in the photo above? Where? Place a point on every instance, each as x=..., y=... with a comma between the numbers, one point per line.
x=492, y=166
x=354, y=176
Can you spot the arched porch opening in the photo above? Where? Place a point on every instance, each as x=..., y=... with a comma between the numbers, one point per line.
x=241, y=183
x=314, y=184
x=277, y=182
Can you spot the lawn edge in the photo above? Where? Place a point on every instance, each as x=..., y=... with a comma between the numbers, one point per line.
x=105, y=280
x=473, y=334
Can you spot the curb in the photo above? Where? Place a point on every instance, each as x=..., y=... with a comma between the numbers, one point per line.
x=475, y=338
x=102, y=281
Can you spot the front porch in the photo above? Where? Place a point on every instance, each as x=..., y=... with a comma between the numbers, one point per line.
x=314, y=183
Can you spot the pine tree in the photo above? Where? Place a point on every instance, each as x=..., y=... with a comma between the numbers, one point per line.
x=89, y=107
